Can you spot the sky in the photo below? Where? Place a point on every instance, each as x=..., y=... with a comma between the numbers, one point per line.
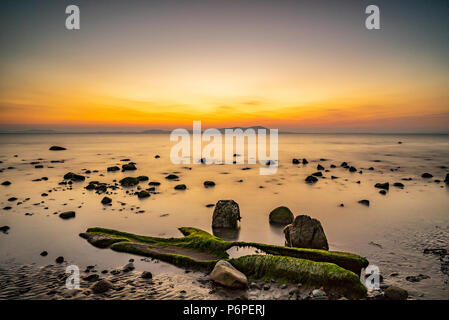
x=302, y=66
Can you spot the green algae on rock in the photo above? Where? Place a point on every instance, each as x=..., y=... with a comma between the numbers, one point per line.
x=281, y=215
x=201, y=250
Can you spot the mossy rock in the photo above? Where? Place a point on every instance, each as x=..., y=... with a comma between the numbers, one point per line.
x=201, y=250
x=281, y=215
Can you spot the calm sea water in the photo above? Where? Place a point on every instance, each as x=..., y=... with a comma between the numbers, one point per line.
x=392, y=232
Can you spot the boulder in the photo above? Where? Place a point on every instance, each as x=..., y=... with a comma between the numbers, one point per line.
x=281, y=215
x=398, y=185
x=4, y=229
x=146, y=275
x=319, y=167
x=57, y=148
x=6, y=183
x=67, y=215
x=142, y=178
x=395, y=293
x=305, y=232
x=226, y=214
x=101, y=286
x=352, y=169
x=172, y=177
x=225, y=274
x=304, y=161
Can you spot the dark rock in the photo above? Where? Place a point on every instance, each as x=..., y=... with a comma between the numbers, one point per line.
x=92, y=278
x=395, y=293
x=319, y=167
x=7, y=208
x=383, y=192
x=344, y=164
x=426, y=175
x=106, y=200
x=44, y=253
x=146, y=275
x=56, y=148
x=209, y=184
x=447, y=178
x=304, y=161
x=417, y=278
x=59, y=259
x=180, y=187
x=305, y=232
x=101, y=286
x=384, y=186
x=129, y=167
x=398, y=185
x=295, y=161
x=364, y=202
x=129, y=182
x=226, y=214
x=311, y=179
x=317, y=174
x=4, y=229
x=352, y=169
x=154, y=183
x=67, y=215
x=157, y=156
x=281, y=215
x=143, y=194
x=74, y=177
x=172, y=177
x=129, y=267
x=142, y=178
x=6, y=183
x=114, y=168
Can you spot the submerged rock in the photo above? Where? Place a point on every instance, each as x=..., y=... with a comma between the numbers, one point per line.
x=67, y=215
x=172, y=177
x=395, y=293
x=226, y=214
x=143, y=194
x=129, y=167
x=426, y=175
x=305, y=232
x=225, y=274
x=6, y=183
x=281, y=215
x=295, y=161
x=4, y=229
x=142, y=178
x=57, y=148
x=398, y=185
x=180, y=187
x=112, y=169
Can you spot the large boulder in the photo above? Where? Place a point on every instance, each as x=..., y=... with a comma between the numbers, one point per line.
x=305, y=232
x=226, y=214
x=281, y=215
x=225, y=274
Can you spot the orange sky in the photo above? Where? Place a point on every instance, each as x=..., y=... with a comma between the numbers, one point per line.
x=329, y=75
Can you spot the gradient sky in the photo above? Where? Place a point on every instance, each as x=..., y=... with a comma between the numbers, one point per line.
x=306, y=66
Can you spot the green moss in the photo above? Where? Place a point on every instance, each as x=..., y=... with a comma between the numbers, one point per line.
x=201, y=250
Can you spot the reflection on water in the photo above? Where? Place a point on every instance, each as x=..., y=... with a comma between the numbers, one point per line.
x=226, y=233
x=404, y=221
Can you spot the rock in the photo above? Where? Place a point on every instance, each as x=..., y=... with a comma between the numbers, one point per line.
x=57, y=148
x=74, y=177
x=447, y=178
x=226, y=214
x=112, y=169
x=101, y=286
x=352, y=169
x=128, y=167
x=59, y=259
x=106, y=200
x=6, y=183
x=67, y=215
x=154, y=183
x=319, y=167
x=395, y=293
x=142, y=178
x=295, y=161
x=146, y=275
x=129, y=182
x=344, y=164
x=4, y=229
x=305, y=232
x=172, y=177
x=426, y=175
x=398, y=185
x=209, y=184
x=143, y=194
x=311, y=179
x=180, y=187
x=318, y=293
x=417, y=278
x=92, y=277
x=364, y=202
x=157, y=156
x=383, y=192
x=317, y=174
x=281, y=215
x=44, y=253
x=210, y=205
x=304, y=161
x=129, y=267
x=12, y=199
x=385, y=185
x=225, y=274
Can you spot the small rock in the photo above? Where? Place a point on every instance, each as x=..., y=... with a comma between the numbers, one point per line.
x=209, y=184
x=395, y=293
x=67, y=215
x=101, y=286
x=59, y=259
x=4, y=229
x=364, y=202
x=426, y=175
x=44, y=253
x=146, y=275
x=180, y=187
x=225, y=274
x=57, y=148
x=384, y=185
